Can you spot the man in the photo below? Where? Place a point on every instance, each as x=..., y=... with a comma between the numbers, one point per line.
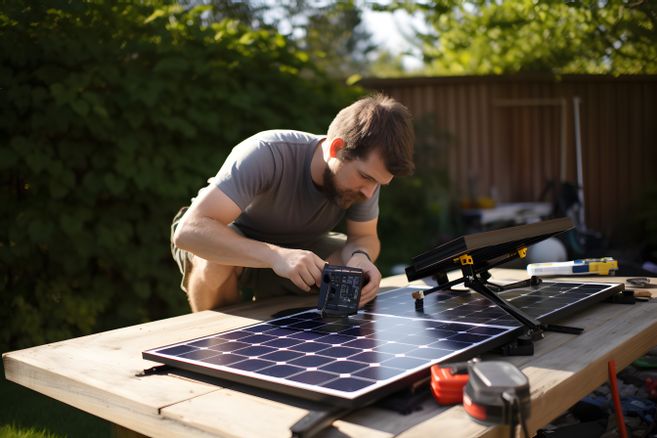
x=262, y=227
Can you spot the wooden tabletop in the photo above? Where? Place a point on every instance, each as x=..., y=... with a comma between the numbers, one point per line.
x=98, y=374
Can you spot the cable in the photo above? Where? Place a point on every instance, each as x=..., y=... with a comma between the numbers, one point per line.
x=620, y=421
x=509, y=398
x=515, y=415
x=523, y=423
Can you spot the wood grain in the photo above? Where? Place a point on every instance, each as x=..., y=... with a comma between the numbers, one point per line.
x=97, y=374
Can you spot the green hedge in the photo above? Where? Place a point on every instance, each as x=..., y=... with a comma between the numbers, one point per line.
x=112, y=116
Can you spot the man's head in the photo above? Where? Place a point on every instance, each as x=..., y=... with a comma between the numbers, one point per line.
x=368, y=143
x=376, y=122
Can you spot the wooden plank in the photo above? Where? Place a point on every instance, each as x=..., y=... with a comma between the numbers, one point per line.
x=546, y=147
x=473, y=128
x=577, y=369
x=634, y=151
x=503, y=79
x=97, y=374
x=455, y=146
x=607, y=185
x=464, y=146
x=607, y=139
x=483, y=103
x=235, y=417
x=623, y=147
x=592, y=151
x=498, y=142
x=232, y=413
x=540, y=130
x=649, y=106
x=585, y=360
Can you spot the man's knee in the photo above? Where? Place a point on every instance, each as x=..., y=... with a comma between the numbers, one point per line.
x=210, y=285
x=209, y=271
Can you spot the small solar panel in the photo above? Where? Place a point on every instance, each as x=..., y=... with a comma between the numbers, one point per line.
x=484, y=248
x=383, y=348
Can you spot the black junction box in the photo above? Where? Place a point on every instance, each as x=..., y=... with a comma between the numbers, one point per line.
x=340, y=291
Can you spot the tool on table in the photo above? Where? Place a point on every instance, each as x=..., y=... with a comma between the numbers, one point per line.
x=448, y=380
x=601, y=266
x=497, y=392
x=641, y=282
x=640, y=286
x=340, y=290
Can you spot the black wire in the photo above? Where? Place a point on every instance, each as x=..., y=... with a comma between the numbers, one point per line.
x=509, y=414
x=524, y=427
x=512, y=402
x=521, y=419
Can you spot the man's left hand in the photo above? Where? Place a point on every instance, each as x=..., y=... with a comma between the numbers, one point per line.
x=371, y=274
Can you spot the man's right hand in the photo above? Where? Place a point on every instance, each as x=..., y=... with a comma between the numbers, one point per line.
x=301, y=267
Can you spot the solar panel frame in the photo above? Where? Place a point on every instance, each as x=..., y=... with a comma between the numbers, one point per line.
x=484, y=247
x=555, y=314
x=315, y=393
x=306, y=327
x=573, y=307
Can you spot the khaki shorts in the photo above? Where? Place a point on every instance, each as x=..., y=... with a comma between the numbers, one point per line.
x=256, y=283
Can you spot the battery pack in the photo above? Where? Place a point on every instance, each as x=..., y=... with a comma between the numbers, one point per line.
x=497, y=392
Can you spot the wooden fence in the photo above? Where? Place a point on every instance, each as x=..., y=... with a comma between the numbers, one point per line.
x=508, y=136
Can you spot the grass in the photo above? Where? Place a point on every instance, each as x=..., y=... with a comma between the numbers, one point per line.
x=11, y=431
x=27, y=414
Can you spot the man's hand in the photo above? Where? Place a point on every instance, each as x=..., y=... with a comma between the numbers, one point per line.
x=301, y=267
x=372, y=277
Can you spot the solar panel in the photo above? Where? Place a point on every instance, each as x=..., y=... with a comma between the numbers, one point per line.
x=484, y=248
x=385, y=347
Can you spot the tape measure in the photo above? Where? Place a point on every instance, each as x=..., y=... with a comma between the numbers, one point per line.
x=602, y=266
x=493, y=392
x=497, y=392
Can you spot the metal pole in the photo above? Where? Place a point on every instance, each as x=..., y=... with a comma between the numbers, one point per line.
x=562, y=140
x=580, y=171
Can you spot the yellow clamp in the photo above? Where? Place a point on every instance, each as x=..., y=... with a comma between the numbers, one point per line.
x=465, y=259
x=522, y=252
x=603, y=266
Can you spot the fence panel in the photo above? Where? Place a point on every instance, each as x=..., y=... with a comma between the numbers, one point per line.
x=507, y=136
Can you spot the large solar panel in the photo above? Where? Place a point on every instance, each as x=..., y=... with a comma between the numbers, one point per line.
x=385, y=347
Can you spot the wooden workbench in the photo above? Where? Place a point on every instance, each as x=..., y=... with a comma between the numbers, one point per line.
x=97, y=374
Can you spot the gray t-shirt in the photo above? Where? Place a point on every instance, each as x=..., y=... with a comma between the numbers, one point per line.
x=268, y=177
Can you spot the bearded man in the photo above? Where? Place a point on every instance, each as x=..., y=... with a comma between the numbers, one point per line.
x=264, y=224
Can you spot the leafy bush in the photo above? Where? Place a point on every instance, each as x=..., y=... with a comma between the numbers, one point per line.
x=112, y=116
x=416, y=211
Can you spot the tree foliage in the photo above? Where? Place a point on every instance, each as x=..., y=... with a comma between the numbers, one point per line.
x=331, y=33
x=508, y=36
x=112, y=115
x=335, y=37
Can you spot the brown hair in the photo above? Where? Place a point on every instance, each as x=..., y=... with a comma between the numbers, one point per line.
x=376, y=121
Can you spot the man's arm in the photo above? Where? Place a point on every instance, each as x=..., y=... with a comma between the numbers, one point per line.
x=363, y=236
x=204, y=231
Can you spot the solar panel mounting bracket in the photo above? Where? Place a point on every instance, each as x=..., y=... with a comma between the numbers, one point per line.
x=473, y=281
x=477, y=280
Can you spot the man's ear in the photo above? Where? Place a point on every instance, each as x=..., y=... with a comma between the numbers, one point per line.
x=335, y=147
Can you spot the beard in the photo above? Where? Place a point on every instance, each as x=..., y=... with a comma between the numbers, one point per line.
x=342, y=198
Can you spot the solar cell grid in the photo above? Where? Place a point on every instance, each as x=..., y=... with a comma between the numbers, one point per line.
x=372, y=353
